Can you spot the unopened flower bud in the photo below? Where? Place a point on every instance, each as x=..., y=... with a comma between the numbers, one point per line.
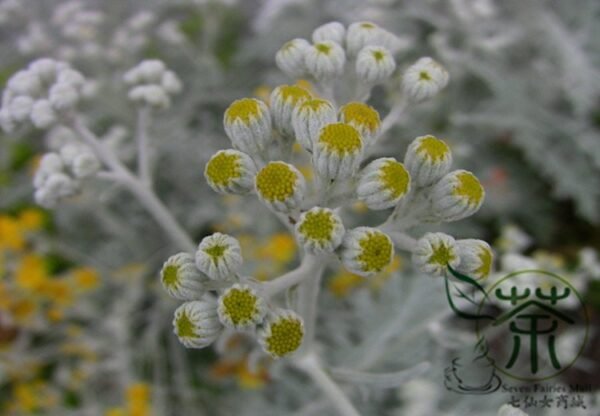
x=240, y=307
x=363, y=118
x=338, y=151
x=196, y=323
x=248, y=125
x=284, y=100
x=366, y=251
x=63, y=96
x=320, y=230
x=280, y=186
x=333, y=31
x=308, y=119
x=434, y=253
x=424, y=79
x=427, y=159
x=181, y=279
x=374, y=65
x=457, y=195
x=282, y=334
x=290, y=58
x=219, y=256
x=383, y=183
x=85, y=164
x=230, y=172
x=20, y=107
x=42, y=114
x=476, y=258
x=325, y=60
x=361, y=34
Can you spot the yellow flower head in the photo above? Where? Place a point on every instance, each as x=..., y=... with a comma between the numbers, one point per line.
x=367, y=251
x=283, y=334
x=320, y=230
x=240, y=307
x=363, y=118
x=280, y=185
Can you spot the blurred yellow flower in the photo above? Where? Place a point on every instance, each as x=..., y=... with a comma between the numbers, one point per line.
x=138, y=399
x=31, y=219
x=31, y=272
x=280, y=248
x=86, y=278
x=11, y=234
x=22, y=309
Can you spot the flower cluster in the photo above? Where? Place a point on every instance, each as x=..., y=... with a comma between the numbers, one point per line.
x=41, y=93
x=367, y=45
x=152, y=84
x=216, y=297
x=337, y=141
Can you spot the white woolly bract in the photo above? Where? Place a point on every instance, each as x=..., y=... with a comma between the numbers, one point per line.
x=325, y=60
x=250, y=137
x=424, y=79
x=374, y=65
x=372, y=190
x=333, y=31
x=424, y=170
x=320, y=246
x=189, y=283
x=224, y=313
x=223, y=263
x=202, y=314
x=446, y=205
x=290, y=58
x=307, y=122
x=426, y=248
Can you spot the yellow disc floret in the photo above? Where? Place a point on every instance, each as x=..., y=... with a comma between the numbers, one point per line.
x=285, y=336
x=434, y=148
x=361, y=115
x=276, y=182
x=240, y=306
x=223, y=168
x=244, y=110
x=170, y=275
x=314, y=104
x=294, y=94
x=485, y=256
x=323, y=48
x=317, y=225
x=442, y=255
x=185, y=327
x=469, y=188
x=340, y=138
x=395, y=178
x=376, y=252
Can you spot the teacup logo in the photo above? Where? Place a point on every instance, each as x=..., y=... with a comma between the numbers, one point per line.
x=522, y=318
x=472, y=372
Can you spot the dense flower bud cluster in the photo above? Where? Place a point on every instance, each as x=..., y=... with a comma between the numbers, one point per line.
x=152, y=84
x=40, y=94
